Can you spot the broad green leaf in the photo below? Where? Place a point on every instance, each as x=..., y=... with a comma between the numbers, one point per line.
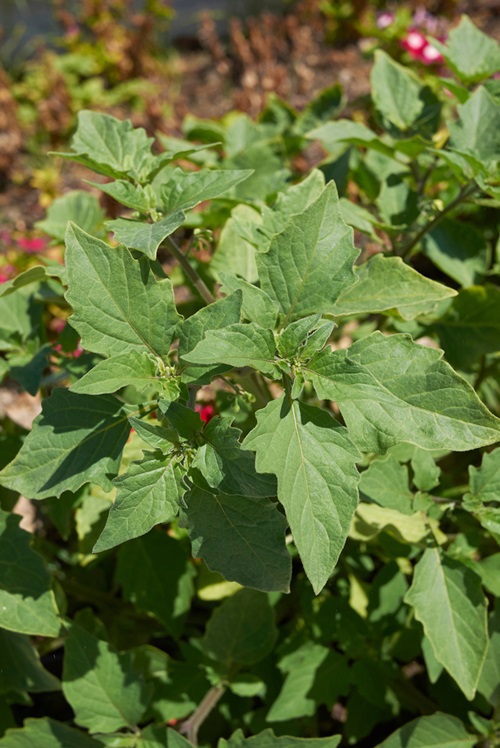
x=21, y=668
x=257, y=306
x=146, y=237
x=216, y=316
x=310, y=263
x=177, y=189
x=386, y=482
x=291, y=337
x=147, y=495
x=396, y=92
x=489, y=569
x=235, y=253
x=76, y=439
x=270, y=175
x=387, y=284
x=425, y=471
x=294, y=699
x=118, y=305
x=184, y=420
x=472, y=55
x=359, y=218
x=242, y=538
x=471, y=326
x=387, y=590
x=268, y=739
x=433, y=731
x=324, y=107
x=459, y=250
x=133, y=368
x=157, y=576
x=154, y=434
x=433, y=667
x=314, y=461
x=485, y=480
x=237, y=345
x=47, y=733
x=28, y=370
x=131, y=195
x=478, y=130
x=78, y=206
x=391, y=390
x=409, y=528
x=241, y=631
x=100, y=684
x=346, y=131
x=111, y=146
x=489, y=682
x=34, y=274
x=227, y=467
x=448, y=600
x=27, y=602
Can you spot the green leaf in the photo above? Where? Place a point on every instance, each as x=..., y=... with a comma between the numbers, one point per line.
x=146, y=237
x=386, y=482
x=100, y=684
x=235, y=253
x=242, y=538
x=326, y=106
x=21, y=668
x=118, y=304
x=147, y=495
x=227, y=467
x=111, y=146
x=34, y=274
x=396, y=92
x=310, y=263
x=489, y=682
x=391, y=390
x=472, y=55
x=133, y=368
x=178, y=189
x=485, y=480
x=78, y=206
x=433, y=731
x=471, y=326
x=241, y=630
x=237, y=345
x=478, y=130
x=294, y=699
x=257, y=306
x=459, y=250
x=347, y=131
x=387, y=284
x=448, y=600
x=291, y=337
x=26, y=600
x=132, y=195
x=268, y=739
x=76, y=439
x=46, y=733
x=156, y=575
x=314, y=461
x=216, y=316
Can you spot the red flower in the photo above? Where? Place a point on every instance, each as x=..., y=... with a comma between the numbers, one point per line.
x=35, y=244
x=206, y=411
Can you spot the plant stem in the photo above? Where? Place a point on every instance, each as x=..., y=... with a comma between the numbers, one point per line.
x=191, y=273
x=412, y=242
x=190, y=727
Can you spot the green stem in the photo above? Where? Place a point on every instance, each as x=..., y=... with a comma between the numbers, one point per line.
x=191, y=273
x=412, y=242
x=190, y=727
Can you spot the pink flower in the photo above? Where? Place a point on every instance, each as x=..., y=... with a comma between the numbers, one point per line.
x=206, y=411
x=58, y=325
x=5, y=239
x=7, y=272
x=384, y=20
x=78, y=351
x=36, y=244
x=430, y=55
x=414, y=43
